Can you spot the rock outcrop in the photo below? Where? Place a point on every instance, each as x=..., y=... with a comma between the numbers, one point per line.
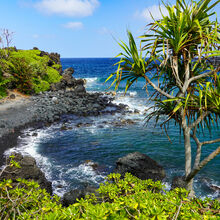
x=68, y=82
x=54, y=58
x=141, y=166
x=178, y=182
x=28, y=171
x=71, y=197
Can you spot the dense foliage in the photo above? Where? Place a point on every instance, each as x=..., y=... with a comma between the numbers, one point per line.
x=128, y=198
x=26, y=71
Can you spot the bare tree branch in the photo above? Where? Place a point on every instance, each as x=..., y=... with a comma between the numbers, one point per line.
x=199, y=119
x=178, y=212
x=203, y=75
x=199, y=144
x=194, y=136
x=175, y=71
x=187, y=75
x=8, y=36
x=158, y=89
x=203, y=163
x=211, y=142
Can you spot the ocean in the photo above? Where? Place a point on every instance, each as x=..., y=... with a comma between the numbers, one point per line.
x=66, y=156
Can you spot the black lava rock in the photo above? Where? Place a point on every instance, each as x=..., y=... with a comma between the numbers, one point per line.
x=178, y=182
x=141, y=166
x=28, y=171
x=70, y=197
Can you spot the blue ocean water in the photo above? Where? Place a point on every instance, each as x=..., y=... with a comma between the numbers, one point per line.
x=64, y=155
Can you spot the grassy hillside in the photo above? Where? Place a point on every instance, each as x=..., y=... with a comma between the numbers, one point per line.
x=28, y=71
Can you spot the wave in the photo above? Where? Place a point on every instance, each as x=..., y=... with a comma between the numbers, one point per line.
x=92, y=80
x=28, y=143
x=134, y=103
x=131, y=93
x=60, y=175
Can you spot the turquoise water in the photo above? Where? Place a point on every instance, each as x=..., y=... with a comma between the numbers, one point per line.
x=62, y=154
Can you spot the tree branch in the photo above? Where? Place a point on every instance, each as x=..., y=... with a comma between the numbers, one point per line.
x=187, y=75
x=199, y=119
x=211, y=142
x=194, y=136
x=203, y=163
x=203, y=75
x=158, y=89
x=178, y=212
x=175, y=71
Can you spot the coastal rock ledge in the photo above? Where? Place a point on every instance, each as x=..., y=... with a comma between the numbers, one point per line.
x=141, y=166
x=28, y=171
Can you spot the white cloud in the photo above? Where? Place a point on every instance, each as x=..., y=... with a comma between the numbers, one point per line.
x=72, y=8
x=74, y=25
x=154, y=10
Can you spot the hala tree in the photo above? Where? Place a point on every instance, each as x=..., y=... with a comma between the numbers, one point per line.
x=179, y=49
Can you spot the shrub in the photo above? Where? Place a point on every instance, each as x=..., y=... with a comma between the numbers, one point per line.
x=3, y=91
x=52, y=75
x=22, y=75
x=57, y=66
x=3, y=84
x=30, y=72
x=39, y=68
x=128, y=198
x=40, y=85
x=30, y=56
x=24, y=201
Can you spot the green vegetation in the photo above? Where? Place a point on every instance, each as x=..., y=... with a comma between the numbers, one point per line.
x=3, y=83
x=128, y=198
x=26, y=71
x=178, y=67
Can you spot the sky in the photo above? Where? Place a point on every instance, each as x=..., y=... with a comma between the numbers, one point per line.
x=76, y=28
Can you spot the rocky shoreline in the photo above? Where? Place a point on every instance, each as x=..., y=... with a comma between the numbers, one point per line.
x=67, y=97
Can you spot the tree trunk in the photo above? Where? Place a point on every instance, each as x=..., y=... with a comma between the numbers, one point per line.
x=188, y=159
x=189, y=187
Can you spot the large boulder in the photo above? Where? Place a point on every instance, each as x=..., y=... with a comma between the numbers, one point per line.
x=58, y=86
x=55, y=57
x=141, y=166
x=68, y=77
x=28, y=171
x=69, y=82
x=68, y=71
x=71, y=197
x=178, y=182
x=80, y=89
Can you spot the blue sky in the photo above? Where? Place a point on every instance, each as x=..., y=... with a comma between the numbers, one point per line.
x=76, y=28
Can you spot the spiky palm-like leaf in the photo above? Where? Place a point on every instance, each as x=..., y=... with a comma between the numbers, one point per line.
x=132, y=65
